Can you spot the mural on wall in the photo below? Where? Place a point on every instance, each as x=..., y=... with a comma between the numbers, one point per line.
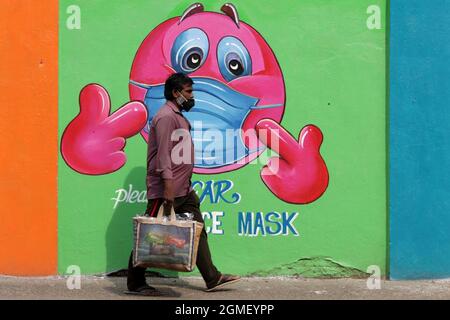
x=239, y=89
x=266, y=78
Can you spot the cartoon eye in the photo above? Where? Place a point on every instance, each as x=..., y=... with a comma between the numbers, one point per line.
x=234, y=64
x=189, y=50
x=234, y=59
x=192, y=59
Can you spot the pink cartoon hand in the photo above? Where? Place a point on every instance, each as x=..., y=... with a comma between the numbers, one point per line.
x=299, y=175
x=93, y=142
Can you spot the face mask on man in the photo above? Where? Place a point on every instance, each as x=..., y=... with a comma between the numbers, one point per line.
x=185, y=104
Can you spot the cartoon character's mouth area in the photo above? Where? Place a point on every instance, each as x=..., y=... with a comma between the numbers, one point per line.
x=216, y=121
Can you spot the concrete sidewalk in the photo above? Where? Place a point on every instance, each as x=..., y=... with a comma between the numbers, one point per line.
x=191, y=288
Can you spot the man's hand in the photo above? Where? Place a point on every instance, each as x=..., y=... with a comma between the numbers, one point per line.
x=168, y=196
x=168, y=190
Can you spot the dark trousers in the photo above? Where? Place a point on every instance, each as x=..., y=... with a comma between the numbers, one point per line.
x=188, y=203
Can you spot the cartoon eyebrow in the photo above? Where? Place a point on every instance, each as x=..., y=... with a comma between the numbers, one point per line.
x=230, y=10
x=192, y=9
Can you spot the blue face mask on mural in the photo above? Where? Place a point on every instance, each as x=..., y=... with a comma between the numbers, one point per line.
x=216, y=120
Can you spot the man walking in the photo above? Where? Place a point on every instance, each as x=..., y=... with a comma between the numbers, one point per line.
x=169, y=181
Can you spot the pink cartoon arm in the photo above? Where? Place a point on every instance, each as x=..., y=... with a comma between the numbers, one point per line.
x=93, y=142
x=299, y=175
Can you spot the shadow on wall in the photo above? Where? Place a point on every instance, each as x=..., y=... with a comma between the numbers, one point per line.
x=119, y=235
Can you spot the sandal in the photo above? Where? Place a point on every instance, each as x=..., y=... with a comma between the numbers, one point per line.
x=146, y=291
x=224, y=280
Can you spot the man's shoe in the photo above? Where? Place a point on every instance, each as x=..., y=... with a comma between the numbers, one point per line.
x=224, y=280
x=146, y=291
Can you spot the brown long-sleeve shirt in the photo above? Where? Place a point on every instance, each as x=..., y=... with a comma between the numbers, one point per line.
x=170, y=153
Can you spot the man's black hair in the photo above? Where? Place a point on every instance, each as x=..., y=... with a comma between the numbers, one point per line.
x=176, y=82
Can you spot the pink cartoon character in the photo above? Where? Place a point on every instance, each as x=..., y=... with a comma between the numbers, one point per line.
x=238, y=88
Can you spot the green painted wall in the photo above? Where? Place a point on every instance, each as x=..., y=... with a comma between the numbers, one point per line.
x=334, y=72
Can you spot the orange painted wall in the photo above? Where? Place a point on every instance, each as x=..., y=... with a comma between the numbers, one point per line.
x=28, y=139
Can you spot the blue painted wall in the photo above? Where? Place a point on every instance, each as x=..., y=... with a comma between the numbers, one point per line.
x=420, y=139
